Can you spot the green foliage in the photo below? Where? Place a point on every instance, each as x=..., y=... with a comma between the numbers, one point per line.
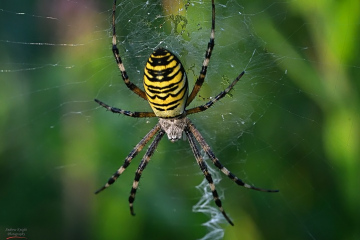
x=291, y=124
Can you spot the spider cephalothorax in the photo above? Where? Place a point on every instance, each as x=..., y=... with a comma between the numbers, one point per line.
x=173, y=127
x=166, y=90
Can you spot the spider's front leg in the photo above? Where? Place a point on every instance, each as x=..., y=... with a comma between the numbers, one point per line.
x=206, y=173
x=218, y=164
x=141, y=168
x=128, y=159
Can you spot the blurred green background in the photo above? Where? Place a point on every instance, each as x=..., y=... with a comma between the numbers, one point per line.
x=292, y=123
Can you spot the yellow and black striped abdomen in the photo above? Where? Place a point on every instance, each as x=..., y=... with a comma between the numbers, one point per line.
x=165, y=84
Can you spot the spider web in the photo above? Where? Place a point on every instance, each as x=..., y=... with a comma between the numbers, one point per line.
x=277, y=129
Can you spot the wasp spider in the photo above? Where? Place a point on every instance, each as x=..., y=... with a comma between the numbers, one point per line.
x=166, y=90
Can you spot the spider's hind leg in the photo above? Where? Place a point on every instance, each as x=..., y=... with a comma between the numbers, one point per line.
x=200, y=80
x=119, y=62
x=124, y=112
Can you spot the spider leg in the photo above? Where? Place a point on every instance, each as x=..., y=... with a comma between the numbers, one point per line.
x=217, y=163
x=216, y=98
x=206, y=173
x=210, y=47
x=119, y=62
x=132, y=154
x=141, y=168
x=124, y=112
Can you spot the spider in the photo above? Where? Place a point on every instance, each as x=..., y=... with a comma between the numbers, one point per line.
x=166, y=90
